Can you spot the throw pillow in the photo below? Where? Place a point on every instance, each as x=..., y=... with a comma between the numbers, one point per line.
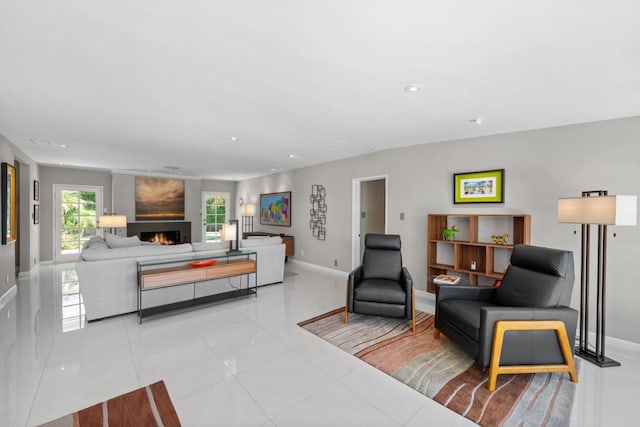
x=115, y=242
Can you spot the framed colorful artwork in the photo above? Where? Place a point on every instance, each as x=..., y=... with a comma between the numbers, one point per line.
x=479, y=187
x=275, y=209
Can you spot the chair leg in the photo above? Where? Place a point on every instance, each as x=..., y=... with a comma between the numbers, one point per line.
x=436, y=334
x=503, y=326
x=346, y=307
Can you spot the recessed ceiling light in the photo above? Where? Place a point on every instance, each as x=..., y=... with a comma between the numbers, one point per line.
x=273, y=170
x=291, y=156
x=233, y=138
x=412, y=88
x=477, y=120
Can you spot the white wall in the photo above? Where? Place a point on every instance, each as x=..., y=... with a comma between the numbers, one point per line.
x=541, y=166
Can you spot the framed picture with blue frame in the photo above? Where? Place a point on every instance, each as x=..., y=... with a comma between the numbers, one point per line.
x=479, y=187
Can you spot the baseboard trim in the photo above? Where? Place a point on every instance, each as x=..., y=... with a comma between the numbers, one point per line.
x=8, y=296
x=26, y=274
x=618, y=344
x=320, y=268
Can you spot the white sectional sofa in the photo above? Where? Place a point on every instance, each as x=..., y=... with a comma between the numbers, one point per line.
x=108, y=271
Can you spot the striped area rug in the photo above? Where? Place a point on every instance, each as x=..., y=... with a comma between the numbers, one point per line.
x=147, y=406
x=442, y=371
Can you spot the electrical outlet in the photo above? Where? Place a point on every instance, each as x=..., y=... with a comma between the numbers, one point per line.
x=401, y=216
x=301, y=252
x=7, y=279
x=335, y=262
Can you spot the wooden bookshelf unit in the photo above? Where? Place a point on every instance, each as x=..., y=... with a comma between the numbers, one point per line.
x=473, y=244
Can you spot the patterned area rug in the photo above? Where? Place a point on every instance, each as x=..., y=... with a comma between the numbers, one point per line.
x=443, y=372
x=146, y=406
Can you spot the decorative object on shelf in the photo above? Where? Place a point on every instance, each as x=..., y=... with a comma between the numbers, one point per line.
x=203, y=263
x=275, y=209
x=36, y=190
x=36, y=214
x=596, y=208
x=500, y=239
x=230, y=233
x=446, y=279
x=112, y=222
x=9, y=206
x=450, y=234
x=479, y=187
x=318, y=211
x=159, y=199
x=474, y=266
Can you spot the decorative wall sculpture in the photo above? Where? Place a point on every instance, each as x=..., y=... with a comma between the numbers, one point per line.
x=318, y=211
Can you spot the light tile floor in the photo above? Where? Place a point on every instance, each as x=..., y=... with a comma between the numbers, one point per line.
x=243, y=362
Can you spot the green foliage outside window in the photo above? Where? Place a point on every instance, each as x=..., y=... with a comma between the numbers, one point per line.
x=79, y=218
x=215, y=216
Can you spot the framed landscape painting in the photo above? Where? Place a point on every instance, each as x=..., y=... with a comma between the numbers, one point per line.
x=479, y=187
x=159, y=199
x=275, y=209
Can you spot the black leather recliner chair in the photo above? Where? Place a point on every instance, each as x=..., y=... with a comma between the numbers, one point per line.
x=381, y=286
x=537, y=286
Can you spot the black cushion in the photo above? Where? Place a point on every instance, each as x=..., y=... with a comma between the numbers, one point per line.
x=464, y=314
x=380, y=290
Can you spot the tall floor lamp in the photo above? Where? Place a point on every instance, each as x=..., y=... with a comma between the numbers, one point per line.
x=247, y=218
x=596, y=208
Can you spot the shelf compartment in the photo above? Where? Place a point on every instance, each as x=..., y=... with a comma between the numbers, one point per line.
x=469, y=254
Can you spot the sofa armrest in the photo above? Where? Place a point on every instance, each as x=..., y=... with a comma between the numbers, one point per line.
x=490, y=315
x=466, y=292
x=407, y=280
x=354, y=278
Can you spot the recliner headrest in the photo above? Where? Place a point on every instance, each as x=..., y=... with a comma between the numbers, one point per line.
x=544, y=260
x=382, y=241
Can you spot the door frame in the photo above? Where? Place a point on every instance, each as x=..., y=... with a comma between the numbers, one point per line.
x=355, y=213
x=203, y=210
x=58, y=257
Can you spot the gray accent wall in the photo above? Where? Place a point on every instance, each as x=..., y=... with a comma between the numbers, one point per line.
x=124, y=198
x=541, y=166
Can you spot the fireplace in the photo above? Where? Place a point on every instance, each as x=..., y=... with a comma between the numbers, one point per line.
x=165, y=232
x=162, y=237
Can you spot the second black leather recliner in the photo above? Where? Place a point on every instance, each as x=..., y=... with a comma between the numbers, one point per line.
x=381, y=286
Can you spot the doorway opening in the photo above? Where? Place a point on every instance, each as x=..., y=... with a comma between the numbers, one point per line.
x=369, y=212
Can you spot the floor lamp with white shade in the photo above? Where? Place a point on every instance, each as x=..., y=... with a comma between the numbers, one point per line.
x=596, y=208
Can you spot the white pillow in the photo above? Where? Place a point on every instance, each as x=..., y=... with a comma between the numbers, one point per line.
x=96, y=242
x=115, y=242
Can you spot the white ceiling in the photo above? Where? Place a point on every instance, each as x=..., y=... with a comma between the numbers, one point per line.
x=144, y=84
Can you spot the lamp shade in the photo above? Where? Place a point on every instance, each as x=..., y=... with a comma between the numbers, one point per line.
x=249, y=209
x=229, y=232
x=606, y=210
x=112, y=221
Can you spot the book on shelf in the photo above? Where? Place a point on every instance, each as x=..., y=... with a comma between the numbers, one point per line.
x=446, y=279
